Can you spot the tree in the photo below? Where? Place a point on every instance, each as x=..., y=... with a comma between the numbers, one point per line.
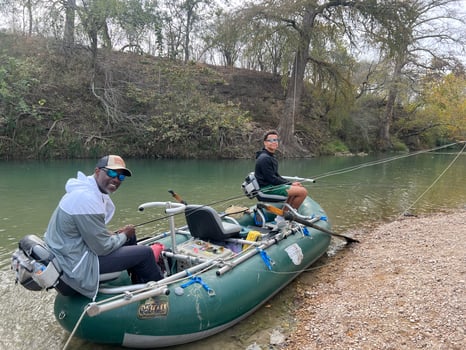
x=181, y=17
x=139, y=20
x=444, y=105
x=306, y=18
x=407, y=33
x=225, y=36
x=28, y=5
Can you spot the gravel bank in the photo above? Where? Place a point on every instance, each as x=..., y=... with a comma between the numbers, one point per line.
x=402, y=287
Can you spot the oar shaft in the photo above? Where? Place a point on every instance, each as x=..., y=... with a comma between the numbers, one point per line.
x=290, y=216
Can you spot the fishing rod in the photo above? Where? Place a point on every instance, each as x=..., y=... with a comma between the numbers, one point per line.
x=153, y=220
x=174, y=211
x=299, y=179
x=177, y=197
x=181, y=200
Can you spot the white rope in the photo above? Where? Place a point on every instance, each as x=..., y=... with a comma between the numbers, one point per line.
x=75, y=328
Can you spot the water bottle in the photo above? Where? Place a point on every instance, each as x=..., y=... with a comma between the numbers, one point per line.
x=38, y=268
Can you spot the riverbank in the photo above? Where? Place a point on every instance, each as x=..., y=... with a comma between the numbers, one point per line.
x=402, y=287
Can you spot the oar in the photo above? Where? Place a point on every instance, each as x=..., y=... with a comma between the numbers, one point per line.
x=290, y=216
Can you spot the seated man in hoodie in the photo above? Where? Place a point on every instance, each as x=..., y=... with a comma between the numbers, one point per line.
x=270, y=181
x=78, y=236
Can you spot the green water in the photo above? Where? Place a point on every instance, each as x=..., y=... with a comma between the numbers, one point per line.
x=29, y=192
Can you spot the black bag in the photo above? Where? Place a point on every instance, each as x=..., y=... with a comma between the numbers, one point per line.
x=34, y=264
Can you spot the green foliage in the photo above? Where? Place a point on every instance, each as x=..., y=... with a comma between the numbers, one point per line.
x=359, y=129
x=58, y=105
x=445, y=100
x=398, y=145
x=334, y=147
x=137, y=19
x=142, y=106
x=438, y=114
x=184, y=122
x=16, y=81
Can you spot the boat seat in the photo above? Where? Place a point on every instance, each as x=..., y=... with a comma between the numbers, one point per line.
x=252, y=189
x=205, y=223
x=109, y=276
x=66, y=290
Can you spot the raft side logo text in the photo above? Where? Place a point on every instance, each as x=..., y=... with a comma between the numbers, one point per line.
x=153, y=307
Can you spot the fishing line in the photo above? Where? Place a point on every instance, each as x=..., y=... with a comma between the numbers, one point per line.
x=381, y=161
x=435, y=181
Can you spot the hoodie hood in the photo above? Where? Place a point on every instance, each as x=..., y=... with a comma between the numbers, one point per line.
x=263, y=150
x=81, y=183
x=84, y=197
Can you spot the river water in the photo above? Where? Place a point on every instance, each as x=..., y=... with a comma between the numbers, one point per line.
x=353, y=191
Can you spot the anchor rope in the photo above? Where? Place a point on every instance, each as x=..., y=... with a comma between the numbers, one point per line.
x=75, y=328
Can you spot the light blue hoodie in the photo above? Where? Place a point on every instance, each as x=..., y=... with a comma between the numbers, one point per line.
x=77, y=233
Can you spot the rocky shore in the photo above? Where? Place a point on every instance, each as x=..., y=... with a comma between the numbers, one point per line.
x=402, y=287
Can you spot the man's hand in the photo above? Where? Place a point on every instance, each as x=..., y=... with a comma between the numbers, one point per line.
x=128, y=230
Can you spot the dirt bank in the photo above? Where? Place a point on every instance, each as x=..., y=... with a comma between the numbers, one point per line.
x=402, y=287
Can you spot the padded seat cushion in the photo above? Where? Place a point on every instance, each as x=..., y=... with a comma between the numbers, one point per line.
x=205, y=223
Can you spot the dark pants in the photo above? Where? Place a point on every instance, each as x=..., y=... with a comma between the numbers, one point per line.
x=139, y=260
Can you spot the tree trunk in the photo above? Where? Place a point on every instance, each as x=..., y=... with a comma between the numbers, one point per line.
x=286, y=127
x=107, y=40
x=68, y=35
x=384, y=142
x=31, y=19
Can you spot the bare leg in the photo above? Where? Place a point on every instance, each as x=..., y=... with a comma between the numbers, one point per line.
x=296, y=196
